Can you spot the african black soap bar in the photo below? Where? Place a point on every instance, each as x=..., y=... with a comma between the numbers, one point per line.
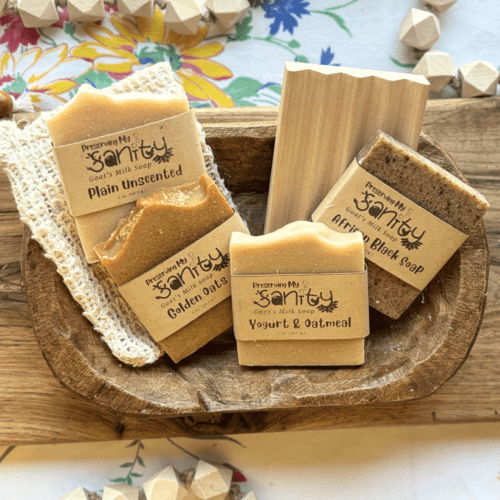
x=413, y=214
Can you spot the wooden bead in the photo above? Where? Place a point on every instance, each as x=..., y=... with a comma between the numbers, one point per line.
x=139, y=8
x=478, y=78
x=228, y=12
x=211, y=482
x=3, y=3
x=86, y=11
x=441, y=5
x=38, y=13
x=6, y=104
x=76, y=494
x=183, y=16
x=437, y=67
x=419, y=29
x=120, y=492
x=165, y=485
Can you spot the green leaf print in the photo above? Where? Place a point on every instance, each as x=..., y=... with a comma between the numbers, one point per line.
x=400, y=64
x=243, y=30
x=275, y=88
x=339, y=20
x=130, y=465
x=246, y=91
x=97, y=79
x=16, y=87
x=69, y=28
x=242, y=87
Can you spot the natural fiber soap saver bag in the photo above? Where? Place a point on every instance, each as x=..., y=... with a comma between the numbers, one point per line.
x=27, y=157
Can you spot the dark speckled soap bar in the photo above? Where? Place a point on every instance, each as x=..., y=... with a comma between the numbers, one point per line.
x=427, y=185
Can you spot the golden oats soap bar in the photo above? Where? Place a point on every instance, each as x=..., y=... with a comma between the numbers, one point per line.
x=300, y=296
x=155, y=233
x=104, y=174
x=413, y=214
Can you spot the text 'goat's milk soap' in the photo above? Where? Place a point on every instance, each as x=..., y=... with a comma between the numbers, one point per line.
x=112, y=149
x=170, y=258
x=300, y=296
x=413, y=214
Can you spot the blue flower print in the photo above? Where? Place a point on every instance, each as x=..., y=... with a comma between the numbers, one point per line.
x=327, y=57
x=283, y=11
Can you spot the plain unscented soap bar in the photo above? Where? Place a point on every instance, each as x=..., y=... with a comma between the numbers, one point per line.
x=159, y=227
x=94, y=113
x=428, y=185
x=299, y=247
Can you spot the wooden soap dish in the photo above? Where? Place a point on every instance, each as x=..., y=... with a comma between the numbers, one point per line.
x=406, y=359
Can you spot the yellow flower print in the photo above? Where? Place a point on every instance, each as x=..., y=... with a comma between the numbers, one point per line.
x=44, y=74
x=147, y=41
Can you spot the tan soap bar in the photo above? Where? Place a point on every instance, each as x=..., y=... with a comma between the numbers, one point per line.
x=159, y=227
x=298, y=248
x=94, y=113
x=426, y=184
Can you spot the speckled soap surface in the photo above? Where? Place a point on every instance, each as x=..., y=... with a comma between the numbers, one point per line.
x=426, y=184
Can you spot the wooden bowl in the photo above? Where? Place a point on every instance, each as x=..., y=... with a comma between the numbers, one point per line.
x=406, y=359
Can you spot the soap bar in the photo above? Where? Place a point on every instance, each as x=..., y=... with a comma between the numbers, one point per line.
x=159, y=227
x=296, y=249
x=93, y=113
x=427, y=185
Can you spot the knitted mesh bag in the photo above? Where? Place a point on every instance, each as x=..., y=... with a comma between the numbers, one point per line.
x=27, y=157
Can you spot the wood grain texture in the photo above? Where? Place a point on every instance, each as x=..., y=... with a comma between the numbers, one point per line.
x=326, y=116
x=38, y=409
x=405, y=359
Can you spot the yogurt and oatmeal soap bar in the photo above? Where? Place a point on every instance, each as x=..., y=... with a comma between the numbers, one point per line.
x=299, y=248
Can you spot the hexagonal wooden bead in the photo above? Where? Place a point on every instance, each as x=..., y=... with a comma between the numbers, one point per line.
x=419, y=29
x=478, y=78
x=441, y=5
x=211, y=482
x=38, y=13
x=76, y=494
x=437, y=67
x=228, y=12
x=120, y=492
x=165, y=485
x=86, y=11
x=139, y=8
x=183, y=16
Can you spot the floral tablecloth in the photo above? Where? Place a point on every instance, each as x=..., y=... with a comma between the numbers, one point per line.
x=244, y=67
x=240, y=68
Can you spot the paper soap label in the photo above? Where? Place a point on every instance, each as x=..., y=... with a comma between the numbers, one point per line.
x=119, y=168
x=400, y=236
x=300, y=306
x=182, y=288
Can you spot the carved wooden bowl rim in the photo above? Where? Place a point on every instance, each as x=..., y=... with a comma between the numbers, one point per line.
x=406, y=360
